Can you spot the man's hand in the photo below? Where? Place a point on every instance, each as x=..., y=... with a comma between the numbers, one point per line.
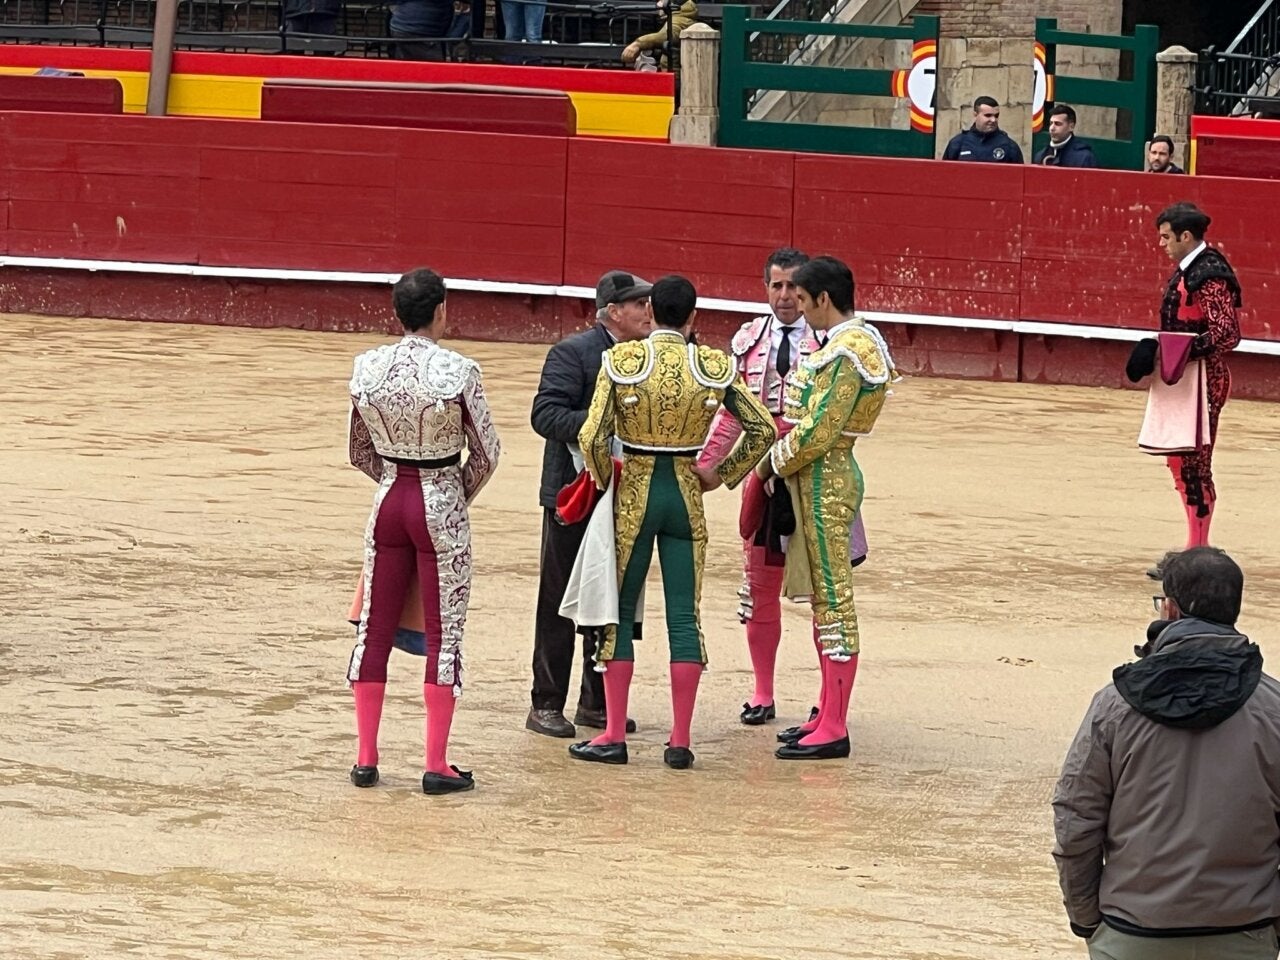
x=630, y=53
x=764, y=469
x=708, y=478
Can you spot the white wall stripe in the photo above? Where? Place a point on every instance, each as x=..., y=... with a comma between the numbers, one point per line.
x=753, y=308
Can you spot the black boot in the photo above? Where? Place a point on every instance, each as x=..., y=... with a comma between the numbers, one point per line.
x=364, y=776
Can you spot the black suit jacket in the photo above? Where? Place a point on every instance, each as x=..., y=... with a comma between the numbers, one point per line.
x=560, y=405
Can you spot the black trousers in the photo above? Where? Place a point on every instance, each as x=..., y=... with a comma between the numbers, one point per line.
x=555, y=643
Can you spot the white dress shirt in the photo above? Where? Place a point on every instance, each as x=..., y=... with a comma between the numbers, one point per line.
x=1190, y=258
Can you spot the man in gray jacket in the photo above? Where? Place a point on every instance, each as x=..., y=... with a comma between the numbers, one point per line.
x=1166, y=813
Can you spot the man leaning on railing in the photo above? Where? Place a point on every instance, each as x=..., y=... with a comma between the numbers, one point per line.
x=637, y=51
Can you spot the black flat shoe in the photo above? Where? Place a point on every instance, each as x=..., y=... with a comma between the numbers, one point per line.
x=604, y=753
x=792, y=734
x=754, y=716
x=435, y=784
x=813, y=714
x=364, y=776
x=678, y=758
x=595, y=719
x=836, y=750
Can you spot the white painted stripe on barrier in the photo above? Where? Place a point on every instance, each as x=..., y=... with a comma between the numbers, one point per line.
x=752, y=308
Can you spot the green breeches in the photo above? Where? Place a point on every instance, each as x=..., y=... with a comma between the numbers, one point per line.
x=660, y=501
x=830, y=495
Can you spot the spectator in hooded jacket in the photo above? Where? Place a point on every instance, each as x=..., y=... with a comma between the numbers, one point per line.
x=984, y=142
x=1065, y=149
x=1166, y=813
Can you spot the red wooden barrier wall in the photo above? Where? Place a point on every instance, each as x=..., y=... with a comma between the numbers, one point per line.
x=923, y=237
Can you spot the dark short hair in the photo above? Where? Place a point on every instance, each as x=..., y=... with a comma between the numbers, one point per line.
x=1205, y=583
x=415, y=297
x=985, y=102
x=1062, y=110
x=830, y=276
x=784, y=258
x=1161, y=138
x=673, y=299
x=1185, y=217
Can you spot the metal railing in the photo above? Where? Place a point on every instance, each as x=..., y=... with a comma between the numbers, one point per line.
x=787, y=48
x=583, y=33
x=1248, y=67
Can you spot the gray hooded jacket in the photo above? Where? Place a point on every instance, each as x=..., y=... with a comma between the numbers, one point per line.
x=1166, y=811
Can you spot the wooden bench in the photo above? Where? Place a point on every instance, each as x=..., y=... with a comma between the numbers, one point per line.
x=62, y=94
x=462, y=107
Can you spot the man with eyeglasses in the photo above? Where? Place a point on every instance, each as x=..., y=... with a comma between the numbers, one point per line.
x=1166, y=815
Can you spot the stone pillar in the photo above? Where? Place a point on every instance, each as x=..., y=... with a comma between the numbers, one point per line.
x=698, y=119
x=972, y=67
x=1175, y=101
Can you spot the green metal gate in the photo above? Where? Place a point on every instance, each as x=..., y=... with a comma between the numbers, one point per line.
x=1138, y=95
x=740, y=78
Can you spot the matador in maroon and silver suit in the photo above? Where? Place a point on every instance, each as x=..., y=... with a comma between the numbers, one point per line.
x=416, y=408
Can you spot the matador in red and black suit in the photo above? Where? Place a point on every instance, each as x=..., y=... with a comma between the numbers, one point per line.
x=1203, y=298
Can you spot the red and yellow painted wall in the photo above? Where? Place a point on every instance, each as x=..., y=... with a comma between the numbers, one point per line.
x=609, y=103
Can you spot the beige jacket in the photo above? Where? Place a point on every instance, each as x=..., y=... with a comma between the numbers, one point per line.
x=1166, y=811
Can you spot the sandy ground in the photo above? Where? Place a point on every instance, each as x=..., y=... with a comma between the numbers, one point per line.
x=178, y=537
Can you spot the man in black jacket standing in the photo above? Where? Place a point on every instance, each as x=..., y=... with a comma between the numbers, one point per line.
x=984, y=142
x=559, y=411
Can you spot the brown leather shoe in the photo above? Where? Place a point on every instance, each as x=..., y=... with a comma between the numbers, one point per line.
x=595, y=719
x=550, y=723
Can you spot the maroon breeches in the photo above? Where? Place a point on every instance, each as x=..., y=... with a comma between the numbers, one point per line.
x=418, y=527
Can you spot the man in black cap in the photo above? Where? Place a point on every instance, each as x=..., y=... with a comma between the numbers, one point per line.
x=559, y=411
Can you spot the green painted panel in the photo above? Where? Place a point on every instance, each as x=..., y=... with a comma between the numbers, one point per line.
x=740, y=78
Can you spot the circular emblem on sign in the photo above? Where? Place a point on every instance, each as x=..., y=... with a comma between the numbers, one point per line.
x=1042, y=87
x=919, y=84
x=998, y=153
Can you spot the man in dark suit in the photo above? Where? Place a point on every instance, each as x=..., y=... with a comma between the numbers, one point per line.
x=559, y=410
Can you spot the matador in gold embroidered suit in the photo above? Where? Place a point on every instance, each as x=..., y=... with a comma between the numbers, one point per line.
x=834, y=398
x=658, y=397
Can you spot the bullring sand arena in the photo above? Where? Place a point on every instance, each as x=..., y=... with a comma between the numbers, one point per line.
x=180, y=538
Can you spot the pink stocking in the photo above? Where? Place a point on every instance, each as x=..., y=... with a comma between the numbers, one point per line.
x=834, y=719
x=764, y=629
x=1198, y=527
x=440, y=703
x=617, y=688
x=368, y=697
x=811, y=725
x=684, y=691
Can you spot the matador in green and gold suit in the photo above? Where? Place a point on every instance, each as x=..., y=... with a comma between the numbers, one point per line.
x=658, y=397
x=834, y=399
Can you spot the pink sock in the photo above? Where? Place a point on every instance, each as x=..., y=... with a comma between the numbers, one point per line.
x=617, y=688
x=684, y=691
x=833, y=724
x=368, y=697
x=762, y=643
x=810, y=725
x=1198, y=527
x=440, y=703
